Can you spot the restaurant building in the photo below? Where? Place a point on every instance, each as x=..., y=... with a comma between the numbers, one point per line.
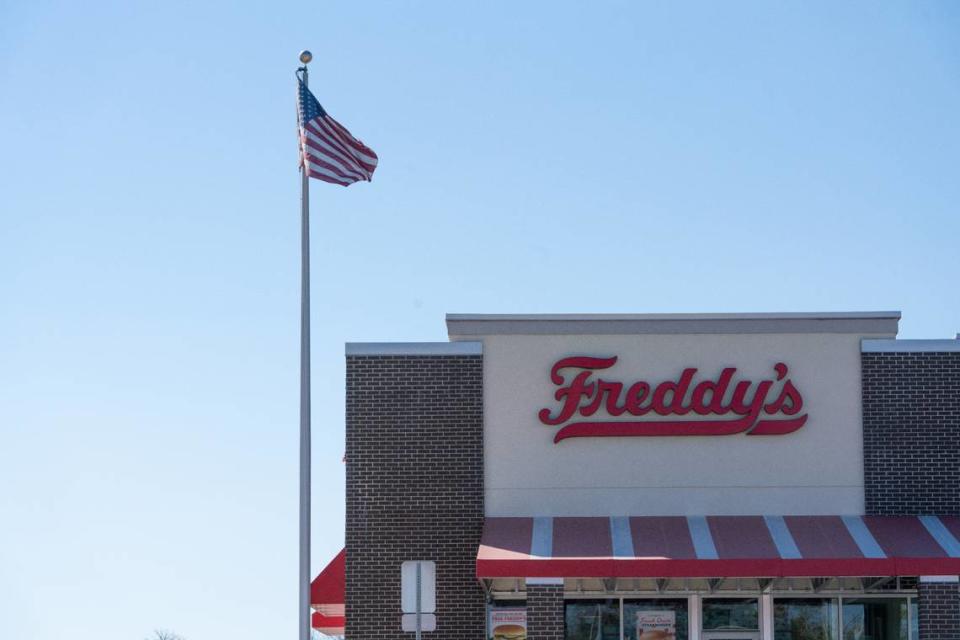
x=771, y=476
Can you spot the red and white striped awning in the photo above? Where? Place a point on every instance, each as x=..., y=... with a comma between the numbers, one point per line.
x=719, y=546
x=327, y=596
x=328, y=625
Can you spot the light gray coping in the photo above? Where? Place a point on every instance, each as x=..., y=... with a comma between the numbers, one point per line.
x=414, y=348
x=877, y=323
x=908, y=346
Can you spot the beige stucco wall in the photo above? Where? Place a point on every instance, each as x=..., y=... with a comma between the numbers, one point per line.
x=816, y=470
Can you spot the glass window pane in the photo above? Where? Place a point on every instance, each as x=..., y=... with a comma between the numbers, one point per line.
x=592, y=619
x=805, y=619
x=731, y=614
x=655, y=619
x=875, y=619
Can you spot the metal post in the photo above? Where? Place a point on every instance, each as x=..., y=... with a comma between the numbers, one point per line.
x=909, y=617
x=418, y=600
x=840, y=617
x=695, y=616
x=766, y=616
x=304, y=397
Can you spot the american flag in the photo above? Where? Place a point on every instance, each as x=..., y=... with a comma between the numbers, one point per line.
x=327, y=150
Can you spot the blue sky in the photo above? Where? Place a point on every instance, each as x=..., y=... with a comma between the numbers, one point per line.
x=534, y=157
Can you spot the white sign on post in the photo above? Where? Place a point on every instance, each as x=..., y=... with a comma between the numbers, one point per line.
x=428, y=586
x=418, y=595
x=428, y=622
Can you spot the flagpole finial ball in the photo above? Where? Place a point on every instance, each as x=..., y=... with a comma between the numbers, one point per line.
x=305, y=56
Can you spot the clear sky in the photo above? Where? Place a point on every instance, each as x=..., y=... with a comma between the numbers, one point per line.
x=534, y=157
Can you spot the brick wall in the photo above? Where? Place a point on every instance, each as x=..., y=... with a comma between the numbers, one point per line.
x=911, y=432
x=545, y=612
x=939, y=605
x=414, y=448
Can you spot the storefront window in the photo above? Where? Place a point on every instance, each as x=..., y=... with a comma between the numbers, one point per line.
x=796, y=618
x=655, y=619
x=875, y=619
x=731, y=614
x=592, y=619
x=805, y=619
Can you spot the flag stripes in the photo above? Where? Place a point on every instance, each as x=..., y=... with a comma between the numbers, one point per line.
x=328, y=151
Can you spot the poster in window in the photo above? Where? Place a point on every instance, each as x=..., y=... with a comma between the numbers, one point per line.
x=508, y=624
x=656, y=625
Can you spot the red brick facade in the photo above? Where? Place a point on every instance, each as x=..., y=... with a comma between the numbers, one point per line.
x=911, y=450
x=414, y=447
x=939, y=605
x=545, y=612
x=911, y=432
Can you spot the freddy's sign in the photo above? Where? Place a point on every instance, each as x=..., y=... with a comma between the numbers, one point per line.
x=724, y=406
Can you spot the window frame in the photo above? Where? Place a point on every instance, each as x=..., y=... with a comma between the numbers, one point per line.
x=765, y=603
x=839, y=598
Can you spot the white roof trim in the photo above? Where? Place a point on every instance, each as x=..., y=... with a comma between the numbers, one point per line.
x=414, y=348
x=908, y=346
x=772, y=315
x=879, y=324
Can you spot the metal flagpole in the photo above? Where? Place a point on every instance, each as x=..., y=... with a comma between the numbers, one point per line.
x=304, y=600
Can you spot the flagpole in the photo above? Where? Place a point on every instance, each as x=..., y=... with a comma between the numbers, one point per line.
x=304, y=582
